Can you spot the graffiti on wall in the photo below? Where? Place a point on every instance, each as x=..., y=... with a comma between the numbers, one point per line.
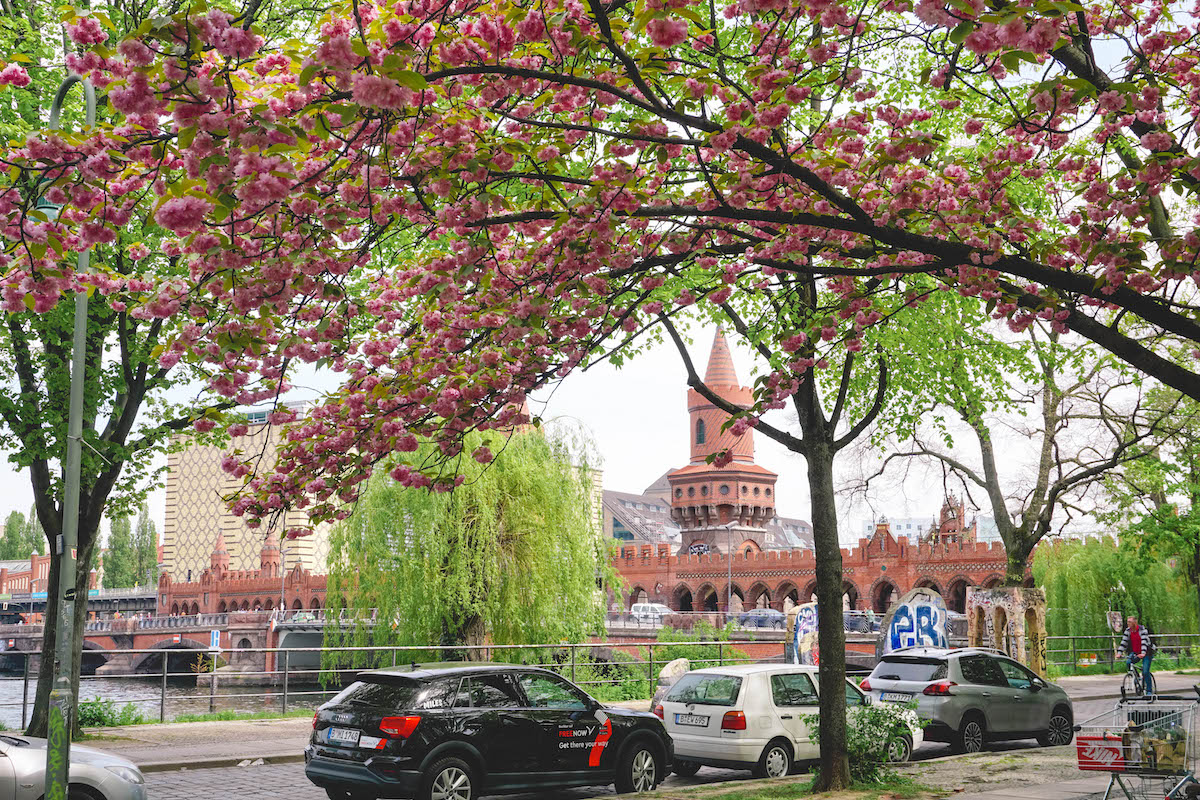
x=1012, y=620
x=919, y=619
x=804, y=635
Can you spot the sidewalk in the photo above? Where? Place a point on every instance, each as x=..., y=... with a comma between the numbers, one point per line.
x=1063, y=790
x=1108, y=687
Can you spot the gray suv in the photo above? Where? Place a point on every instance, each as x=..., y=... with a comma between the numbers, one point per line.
x=971, y=696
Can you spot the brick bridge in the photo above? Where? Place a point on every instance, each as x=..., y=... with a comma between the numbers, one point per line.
x=874, y=574
x=181, y=638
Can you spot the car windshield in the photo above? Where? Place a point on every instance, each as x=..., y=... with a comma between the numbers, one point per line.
x=709, y=690
x=910, y=669
x=393, y=694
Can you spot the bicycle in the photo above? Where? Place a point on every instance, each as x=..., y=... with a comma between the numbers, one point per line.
x=1132, y=685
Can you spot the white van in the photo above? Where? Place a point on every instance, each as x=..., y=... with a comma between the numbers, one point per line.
x=649, y=613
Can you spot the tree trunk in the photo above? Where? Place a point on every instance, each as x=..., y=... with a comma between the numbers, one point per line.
x=39, y=717
x=45, y=679
x=1017, y=555
x=835, y=766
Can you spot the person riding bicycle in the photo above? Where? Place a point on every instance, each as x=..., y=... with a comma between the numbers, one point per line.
x=1136, y=642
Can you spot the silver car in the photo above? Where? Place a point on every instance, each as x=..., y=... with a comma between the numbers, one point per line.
x=95, y=774
x=971, y=696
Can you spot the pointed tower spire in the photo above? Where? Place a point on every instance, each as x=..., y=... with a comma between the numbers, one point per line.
x=720, y=363
x=270, y=558
x=219, y=559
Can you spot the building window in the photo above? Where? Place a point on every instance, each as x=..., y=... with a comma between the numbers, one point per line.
x=768, y=492
x=691, y=491
x=745, y=491
x=701, y=432
x=724, y=489
x=704, y=491
x=756, y=490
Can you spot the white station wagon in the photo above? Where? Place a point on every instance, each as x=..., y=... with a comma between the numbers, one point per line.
x=751, y=716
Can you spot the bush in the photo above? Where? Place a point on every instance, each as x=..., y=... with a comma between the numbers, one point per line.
x=870, y=732
x=97, y=713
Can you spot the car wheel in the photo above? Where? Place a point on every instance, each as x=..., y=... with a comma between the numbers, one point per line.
x=970, y=734
x=899, y=749
x=775, y=761
x=638, y=770
x=685, y=769
x=449, y=778
x=1060, y=730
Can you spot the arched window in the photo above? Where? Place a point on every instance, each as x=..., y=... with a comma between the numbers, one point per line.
x=701, y=432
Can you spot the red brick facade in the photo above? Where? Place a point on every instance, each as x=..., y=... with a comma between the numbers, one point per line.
x=221, y=589
x=875, y=572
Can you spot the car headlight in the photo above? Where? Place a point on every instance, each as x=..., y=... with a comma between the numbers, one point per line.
x=127, y=774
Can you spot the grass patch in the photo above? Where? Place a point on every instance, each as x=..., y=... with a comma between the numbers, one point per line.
x=899, y=787
x=232, y=716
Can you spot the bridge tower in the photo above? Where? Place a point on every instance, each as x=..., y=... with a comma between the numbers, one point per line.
x=706, y=498
x=219, y=559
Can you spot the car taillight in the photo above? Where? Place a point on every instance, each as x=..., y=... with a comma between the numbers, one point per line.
x=658, y=711
x=315, y=719
x=733, y=721
x=939, y=689
x=399, y=727
x=865, y=685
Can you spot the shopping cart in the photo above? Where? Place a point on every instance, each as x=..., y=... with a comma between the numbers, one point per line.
x=1147, y=744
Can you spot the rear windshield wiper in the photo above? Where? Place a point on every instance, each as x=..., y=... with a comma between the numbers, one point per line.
x=890, y=677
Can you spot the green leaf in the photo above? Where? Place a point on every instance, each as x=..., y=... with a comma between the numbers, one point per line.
x=413, y=80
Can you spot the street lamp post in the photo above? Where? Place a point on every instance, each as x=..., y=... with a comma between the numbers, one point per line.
x=58, y=746
x=729, y=526
x=282, y=582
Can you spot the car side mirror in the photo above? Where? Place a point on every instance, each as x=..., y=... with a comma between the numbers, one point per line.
x=1036, y=686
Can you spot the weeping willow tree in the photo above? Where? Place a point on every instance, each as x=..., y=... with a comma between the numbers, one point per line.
x=1084, y=580
x=511, y=556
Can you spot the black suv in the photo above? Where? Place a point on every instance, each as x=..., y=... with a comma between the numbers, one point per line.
x=454, y=732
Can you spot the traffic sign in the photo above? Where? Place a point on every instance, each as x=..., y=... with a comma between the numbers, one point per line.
x=214, y=640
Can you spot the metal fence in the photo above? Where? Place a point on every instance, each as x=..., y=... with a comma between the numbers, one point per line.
x=1080, y=652
x=286, y=683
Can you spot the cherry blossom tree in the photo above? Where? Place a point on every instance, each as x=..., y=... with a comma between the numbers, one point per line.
x=453, y=203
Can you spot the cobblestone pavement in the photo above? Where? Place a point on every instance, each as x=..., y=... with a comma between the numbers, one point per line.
x=287, y=782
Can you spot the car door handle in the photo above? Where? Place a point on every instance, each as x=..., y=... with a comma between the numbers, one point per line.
x=986, y=694
x=785, y=716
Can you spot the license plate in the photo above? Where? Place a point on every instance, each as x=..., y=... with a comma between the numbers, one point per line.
x=691, y=719
x=896, y=697
x=343, y=736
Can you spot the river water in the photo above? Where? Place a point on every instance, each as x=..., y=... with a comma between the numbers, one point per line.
x=182, y=697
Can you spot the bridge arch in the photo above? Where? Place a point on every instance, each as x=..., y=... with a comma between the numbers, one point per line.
x=925, y=582
x=851, y=596
x=809, y=595
x=738, y=592
x=94, y=657
x=956, y=594
x=636, y=595
x=707, y=597
x=297, y=604
x=992, y=581
x=181, y=657
x=195, y=609
x=221, y=607
x=759, y=596
x=787, y=595
x=884, y=592
x=315, y=605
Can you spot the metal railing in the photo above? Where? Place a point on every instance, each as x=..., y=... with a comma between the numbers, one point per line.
x=293, y=685
x=1075, y=652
